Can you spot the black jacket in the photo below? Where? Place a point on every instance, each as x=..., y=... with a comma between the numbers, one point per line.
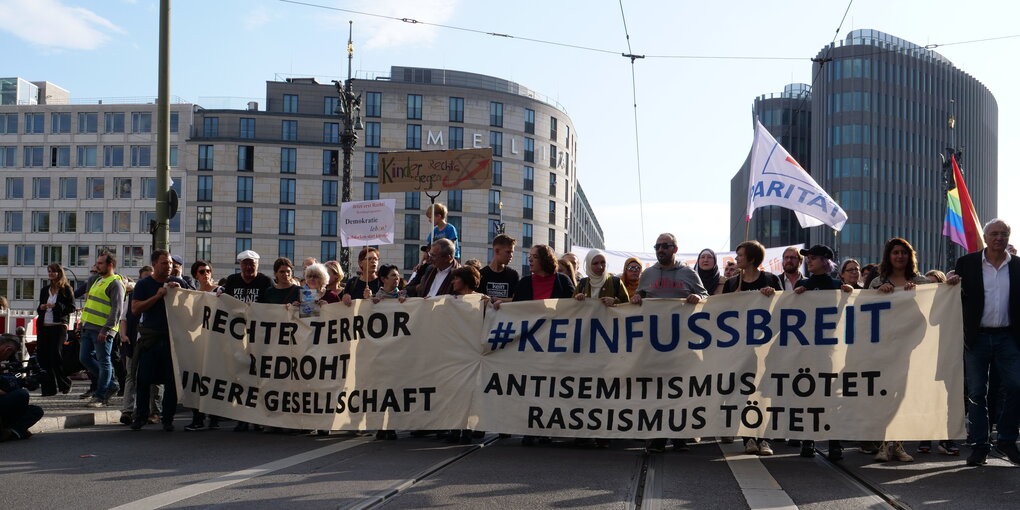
x=972, y=283
x=64, y=307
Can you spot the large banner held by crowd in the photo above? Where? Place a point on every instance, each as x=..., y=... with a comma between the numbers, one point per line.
x=820, y=365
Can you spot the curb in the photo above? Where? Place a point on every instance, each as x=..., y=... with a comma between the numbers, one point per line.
x=70, y=421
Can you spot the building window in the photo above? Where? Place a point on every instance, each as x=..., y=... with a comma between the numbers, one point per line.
x=372, y=134
x=411, y=226
x=288, y=160
x=121, y=187
x=529, y=236
x=456, y=137
x=59, y=155
x=204, y=189
x=86, y=155
x=529, y=207
x=288, y=130
x=413, y=136
x=552, y=184
x=247, y=129
x=211, y=126
x=552, y=128
x=148, y=187
x=8, y=124
x=552, y=212
x=497, y=173
x=141, y=122
x=330, y=132
x=414, y=106
x=529, y=150
x=290, y=103
x=241, y=244
x=496, y=114
x=552, y=238
x=113, y=155
x=175, y=120
x=411, y=257
x=34, y=124
x=245, y=186
x=286, y=247
x=552, y=156
x=288, y=191
x=88, y=123
x=243, y=224
x=529, y=121
x=371, y=191
x=95, y=187
x=496, y=142
x=24, y=288
x=328, y=223
x=245, y=158
x=203, y=248
x=7, y=158
x=93, y=222
x=456, y=109
x=529, y=178
x=67, y=221
x=133, y=256
x=330, y=162
x=78, y=255
x=412, y=200
x=373, y=104
x=330, y=105
x=494, y=201
x=329, y=192
x=40, y=221
x=121, y=222
x=203, y=219
x=15, y=187
x=173, y=155
x=371, y=164
x=455, y=200
x=140, y=155
x=34, y=156
x=52, y=254
x=60, y=123
x=13, y=221
x=68, y=187
x=40, y=187
x=4, y=260
x=327, y=250
x=113, y=122
x=287, y=221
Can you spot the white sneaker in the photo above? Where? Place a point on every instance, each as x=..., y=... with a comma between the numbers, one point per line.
x=751, y=447
x=764, y=448
x=96, y=402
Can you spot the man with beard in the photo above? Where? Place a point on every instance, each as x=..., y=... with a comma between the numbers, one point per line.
x=792, y=262
x=247, y=285
x=668, y=278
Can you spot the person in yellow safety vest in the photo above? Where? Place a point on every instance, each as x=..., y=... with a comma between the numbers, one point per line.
x=100, y=322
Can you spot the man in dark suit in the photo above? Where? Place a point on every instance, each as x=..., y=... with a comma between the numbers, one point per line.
x=990, y=281
x=437, y=280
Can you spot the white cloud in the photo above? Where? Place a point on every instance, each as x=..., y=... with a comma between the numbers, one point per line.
x=51, y=24
x=378, y=33
x=256, y=18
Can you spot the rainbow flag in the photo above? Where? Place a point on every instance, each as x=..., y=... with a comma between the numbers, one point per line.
x=962, y=225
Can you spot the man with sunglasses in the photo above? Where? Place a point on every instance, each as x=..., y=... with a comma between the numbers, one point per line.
x=669, y=278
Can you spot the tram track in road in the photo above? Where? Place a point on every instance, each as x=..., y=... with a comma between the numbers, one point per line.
x=865, y=485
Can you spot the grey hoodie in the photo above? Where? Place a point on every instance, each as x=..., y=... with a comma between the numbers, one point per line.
x=676, y=281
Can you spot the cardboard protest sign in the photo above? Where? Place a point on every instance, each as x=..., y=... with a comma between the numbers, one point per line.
x=435, y=170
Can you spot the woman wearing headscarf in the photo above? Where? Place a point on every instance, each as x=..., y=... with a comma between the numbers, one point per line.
x=599, y=283
x=708, y=270
x=631, y=275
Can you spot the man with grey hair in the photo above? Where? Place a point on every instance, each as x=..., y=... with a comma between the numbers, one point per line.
x=990, y=284
x=437, y=280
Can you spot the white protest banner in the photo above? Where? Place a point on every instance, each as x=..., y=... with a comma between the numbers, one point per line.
x=367, y=223
x=773, y=261
x=777, y=179
x=364, y=367
x=820, y=365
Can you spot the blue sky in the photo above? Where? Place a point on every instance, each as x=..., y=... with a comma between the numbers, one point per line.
x=693, y=114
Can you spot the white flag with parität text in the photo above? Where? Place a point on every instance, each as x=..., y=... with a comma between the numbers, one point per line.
x=777, y=179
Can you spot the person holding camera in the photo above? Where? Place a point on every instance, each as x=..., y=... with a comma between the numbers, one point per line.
x=16, y=415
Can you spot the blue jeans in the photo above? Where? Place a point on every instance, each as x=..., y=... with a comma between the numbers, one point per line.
x=992, y=351
x=95, y=356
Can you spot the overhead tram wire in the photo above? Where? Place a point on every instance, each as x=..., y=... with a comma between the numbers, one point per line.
x=637, y=139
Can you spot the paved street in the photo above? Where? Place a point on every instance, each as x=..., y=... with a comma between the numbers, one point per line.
x=109, y=466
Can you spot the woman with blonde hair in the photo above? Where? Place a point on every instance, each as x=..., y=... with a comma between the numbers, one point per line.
x=336, y=276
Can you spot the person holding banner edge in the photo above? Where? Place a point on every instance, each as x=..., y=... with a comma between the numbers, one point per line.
x=668, y=278
x=990, y=284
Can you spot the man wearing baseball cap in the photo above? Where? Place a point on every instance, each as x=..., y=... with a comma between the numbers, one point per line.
x=249, y=283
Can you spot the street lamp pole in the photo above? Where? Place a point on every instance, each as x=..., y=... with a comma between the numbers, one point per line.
x=349, y=109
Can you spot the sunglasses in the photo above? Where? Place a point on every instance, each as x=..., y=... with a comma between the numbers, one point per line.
x=633, y=268
x=663, y=246
x=204, y=271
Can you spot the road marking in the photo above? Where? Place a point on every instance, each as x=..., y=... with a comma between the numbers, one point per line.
x=760, y=489
x=651, y=498
x=192, y=490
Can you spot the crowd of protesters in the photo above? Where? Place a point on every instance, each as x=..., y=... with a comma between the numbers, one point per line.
x=125, y=343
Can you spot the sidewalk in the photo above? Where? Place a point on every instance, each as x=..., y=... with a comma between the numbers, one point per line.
x=69, y=411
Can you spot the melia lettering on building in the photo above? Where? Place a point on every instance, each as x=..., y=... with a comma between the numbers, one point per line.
x=435, y=170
